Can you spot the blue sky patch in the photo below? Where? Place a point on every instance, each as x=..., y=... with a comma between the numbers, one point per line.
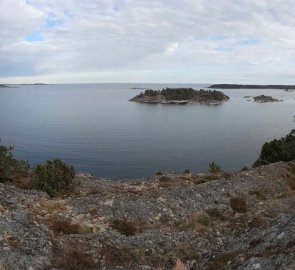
x=34, y=37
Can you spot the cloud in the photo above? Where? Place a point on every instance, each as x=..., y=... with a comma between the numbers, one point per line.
x=17, y=19
x=133, y=40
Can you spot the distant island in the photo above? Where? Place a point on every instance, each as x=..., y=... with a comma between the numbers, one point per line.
x=251, y=86
x=265, y=99
x=180, y=96
x=15, y=85
x=33, y=84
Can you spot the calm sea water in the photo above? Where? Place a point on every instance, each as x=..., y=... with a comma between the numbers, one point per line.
x=95, y=128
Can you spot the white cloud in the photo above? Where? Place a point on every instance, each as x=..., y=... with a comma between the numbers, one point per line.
x=17, y=19
x=148, y=40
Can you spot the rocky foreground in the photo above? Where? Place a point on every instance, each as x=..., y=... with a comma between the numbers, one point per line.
x=244, y=220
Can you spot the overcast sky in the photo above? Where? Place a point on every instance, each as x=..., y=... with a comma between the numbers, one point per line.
x=193, y=41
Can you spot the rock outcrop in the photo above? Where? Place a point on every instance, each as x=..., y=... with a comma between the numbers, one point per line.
x=244, y=220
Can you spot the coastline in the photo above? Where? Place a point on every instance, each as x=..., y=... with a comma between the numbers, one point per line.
x=251, y=86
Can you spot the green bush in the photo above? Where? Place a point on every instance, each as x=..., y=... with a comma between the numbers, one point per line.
x=11, y=169
x=214, y=168
x=54, y=177
x=277, y=150
x=203, y=219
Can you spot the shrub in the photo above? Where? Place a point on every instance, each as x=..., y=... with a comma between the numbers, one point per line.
x=125, y=227
x=244, y=169
x=77, y=260
x=214, y=213
x=204, y=219
x=11, y=169
x=277, y=150
x=159, y=173
x=65, y=226
x=165, y=179
x=54, y=176
x=72, y=257
x=186, y=171
x=214, y=168
x=238, y=204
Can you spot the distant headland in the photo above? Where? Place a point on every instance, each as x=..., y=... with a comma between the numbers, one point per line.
x=251, y=86
x=180, y=96
x=15, y=85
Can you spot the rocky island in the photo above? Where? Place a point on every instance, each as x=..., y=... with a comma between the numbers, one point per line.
x=180, y=96
x=3, y=86
x=265, y=99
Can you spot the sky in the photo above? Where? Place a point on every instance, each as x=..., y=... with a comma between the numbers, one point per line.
x=160, y=41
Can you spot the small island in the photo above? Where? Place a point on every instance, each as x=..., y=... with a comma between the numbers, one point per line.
x=265, y=99
x=180, y=96
x=3, y=86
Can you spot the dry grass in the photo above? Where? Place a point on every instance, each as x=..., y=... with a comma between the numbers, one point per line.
x=65, y=226
x=179, y=265
x=93, y=212
x=165, y=181
x=238, y=204
x=223, y=261
x=14, y=242
x=292, y=184
x=124, y=256
x=196, y=222
x=52, y=206
x=165, y=178
x=26, y=182
x=214, y=213
x=77, y=260
x=203, y=219
x=72, y=256
x=258, y=194
x=124, y=227
x=1, y=266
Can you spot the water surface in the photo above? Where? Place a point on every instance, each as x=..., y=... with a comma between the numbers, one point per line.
x=95, y=128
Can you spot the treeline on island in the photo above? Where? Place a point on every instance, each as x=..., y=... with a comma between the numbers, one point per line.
x=184, y=94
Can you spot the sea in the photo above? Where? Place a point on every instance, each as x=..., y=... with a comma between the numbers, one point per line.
x=95, y=128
